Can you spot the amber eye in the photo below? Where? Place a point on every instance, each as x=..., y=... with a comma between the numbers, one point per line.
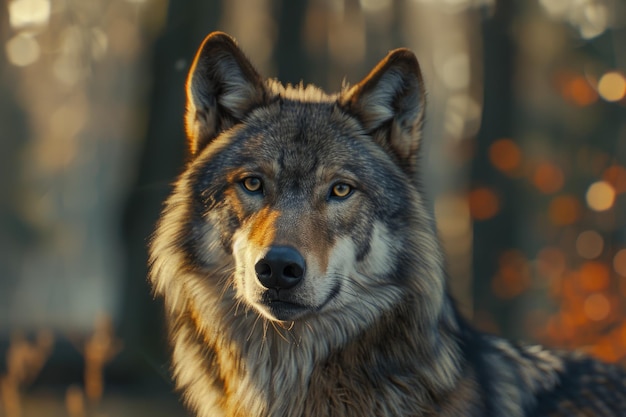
x=252, y=184
x=340, y=190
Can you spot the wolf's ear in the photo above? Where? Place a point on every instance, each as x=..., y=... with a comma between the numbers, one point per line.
x=222, y=86
x=390, y=103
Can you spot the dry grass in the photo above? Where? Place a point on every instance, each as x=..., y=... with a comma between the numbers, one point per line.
x=25, y=359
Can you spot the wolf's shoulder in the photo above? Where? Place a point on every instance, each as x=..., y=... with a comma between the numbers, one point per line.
x=518, y=379
x=585, y=387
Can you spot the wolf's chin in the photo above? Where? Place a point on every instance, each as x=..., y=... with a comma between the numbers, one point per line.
x=287, y=311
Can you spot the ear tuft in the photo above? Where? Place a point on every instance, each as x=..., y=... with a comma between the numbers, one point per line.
x=390, y=103
x=222, y=86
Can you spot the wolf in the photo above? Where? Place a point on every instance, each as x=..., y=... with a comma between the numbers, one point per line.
x=301, y=272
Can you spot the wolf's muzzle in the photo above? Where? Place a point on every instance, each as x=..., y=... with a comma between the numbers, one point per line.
x=282, y=267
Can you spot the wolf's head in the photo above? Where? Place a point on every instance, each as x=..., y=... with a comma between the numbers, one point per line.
x=297, y=204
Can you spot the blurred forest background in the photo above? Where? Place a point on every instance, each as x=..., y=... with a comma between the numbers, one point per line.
x=525, y=165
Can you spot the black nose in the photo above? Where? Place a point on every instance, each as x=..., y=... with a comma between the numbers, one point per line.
x=281, y=268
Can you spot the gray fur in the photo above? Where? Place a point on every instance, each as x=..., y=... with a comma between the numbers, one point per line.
x=375, y=333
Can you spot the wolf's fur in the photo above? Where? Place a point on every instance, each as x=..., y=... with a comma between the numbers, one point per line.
x=369, y=330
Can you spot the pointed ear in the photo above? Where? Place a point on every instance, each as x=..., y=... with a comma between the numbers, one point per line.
x=390, y=103
x=222, y=86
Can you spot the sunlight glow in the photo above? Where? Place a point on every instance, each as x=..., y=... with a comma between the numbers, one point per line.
x=24, y=13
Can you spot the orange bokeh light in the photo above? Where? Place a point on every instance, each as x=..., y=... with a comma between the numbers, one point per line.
x=513, y=275
x=589, y=244
x=575, y=88
x=505, y=155
x=594, y=276
x=564, y=210
x=483, y=203
x=616, y=176
x=548, y=178
x=597, y=307
x=580, y=92
x=619, y=262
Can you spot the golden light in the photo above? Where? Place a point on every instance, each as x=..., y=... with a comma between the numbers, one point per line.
x=597, y=307
x=564, y=210
x=22, y=50
x=24, y=13
x=612, y=86
x=600, y=196
x=589, y=244
x=505, y=155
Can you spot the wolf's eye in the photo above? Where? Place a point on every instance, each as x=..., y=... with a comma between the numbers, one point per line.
x=340, y=190
x=252, y=184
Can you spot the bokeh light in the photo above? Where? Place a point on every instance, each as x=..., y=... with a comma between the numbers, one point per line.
x=455, y=71
x=564, y=210
x=483, y=203
x=619, y=262
x=22, y=50
x=612, y=86
x=597, y=307
x=580, y=92
x=548, y=178
x=513, y=275
x=589, y=244
x=594, y=276
x=505, y=155
x=616, y=176
x=600, y=196
x=575, y=88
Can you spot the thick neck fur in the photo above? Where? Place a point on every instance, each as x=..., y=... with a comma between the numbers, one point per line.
x=292, y=370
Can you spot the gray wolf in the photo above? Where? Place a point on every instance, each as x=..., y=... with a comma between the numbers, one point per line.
x=301, y=272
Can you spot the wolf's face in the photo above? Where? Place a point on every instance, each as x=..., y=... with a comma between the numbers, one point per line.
x=296, y=202
x=305, y=196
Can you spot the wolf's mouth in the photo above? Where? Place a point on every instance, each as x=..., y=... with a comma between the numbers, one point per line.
x=283, y=308
x=286, y=311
